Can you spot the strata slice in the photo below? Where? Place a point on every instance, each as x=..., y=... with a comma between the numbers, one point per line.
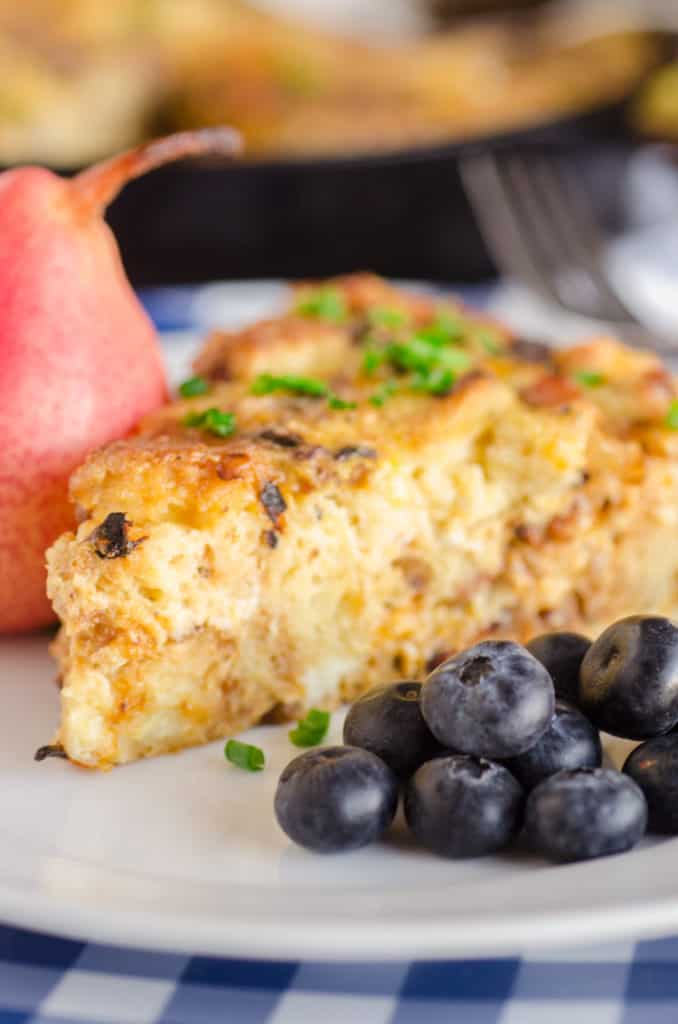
x=371, y=480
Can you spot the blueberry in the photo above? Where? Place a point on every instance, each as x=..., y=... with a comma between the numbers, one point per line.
x=388, y=721
x=591, y=812
x=570, y=741
x=629, y=679
x=561, y=654
x=654, y=766
x=336, y=798
x=494, y=700
x=462, y=806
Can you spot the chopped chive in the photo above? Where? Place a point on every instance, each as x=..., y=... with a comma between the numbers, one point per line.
x=194, y=386
x=245, y=756
x=414, y=355
x=435, y=382
x=589, y=378
x=382, y=316
x=420, y=356
x=335, y=402
x=372, y=359
x=324, y=304
x=672, y=415
x=454, y=359
x=213, y=421
x=385, y=392
x=449, y=323
x=444, y=330
x=490, y=342
x=266, y=383
x=311, y=730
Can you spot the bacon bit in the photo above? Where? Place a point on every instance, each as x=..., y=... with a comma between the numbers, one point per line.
x=358, y=328
x=564, y=527
x=529, y=534
x=531, y=351
x=111, y=538
x=468, y=380
x=656, y=392
x=661, y=378
x=550, y=391
x=273, y=502
x=51, y=750
x=363, y=290
x=232, y=465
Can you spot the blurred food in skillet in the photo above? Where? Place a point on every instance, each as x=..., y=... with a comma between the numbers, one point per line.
x=444, y=10
x=656, y=110
x=82, y=79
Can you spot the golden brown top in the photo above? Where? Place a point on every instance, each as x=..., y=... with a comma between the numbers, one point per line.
x=357, y=371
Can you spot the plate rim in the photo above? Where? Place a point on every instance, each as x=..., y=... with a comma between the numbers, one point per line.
x=513, y=935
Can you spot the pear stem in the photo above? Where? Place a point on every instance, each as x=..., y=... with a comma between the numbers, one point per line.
x=97, y=186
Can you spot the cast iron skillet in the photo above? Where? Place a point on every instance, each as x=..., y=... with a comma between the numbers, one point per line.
x=403, y=214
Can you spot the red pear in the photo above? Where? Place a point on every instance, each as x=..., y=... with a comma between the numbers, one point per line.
x=79, y=358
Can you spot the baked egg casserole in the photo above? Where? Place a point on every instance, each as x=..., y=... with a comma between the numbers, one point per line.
x=346, y=494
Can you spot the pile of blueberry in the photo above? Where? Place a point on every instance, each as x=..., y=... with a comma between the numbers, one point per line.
x=503, y=740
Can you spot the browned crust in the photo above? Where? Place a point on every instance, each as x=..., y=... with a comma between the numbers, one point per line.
x=632, y=403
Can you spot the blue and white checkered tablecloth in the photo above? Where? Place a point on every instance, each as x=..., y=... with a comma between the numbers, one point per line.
x=49, y=980
x=46, y=980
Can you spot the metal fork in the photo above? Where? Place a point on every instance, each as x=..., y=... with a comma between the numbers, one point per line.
x=540, y=226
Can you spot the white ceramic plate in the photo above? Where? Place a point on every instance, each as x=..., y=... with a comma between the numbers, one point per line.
x=183, y=853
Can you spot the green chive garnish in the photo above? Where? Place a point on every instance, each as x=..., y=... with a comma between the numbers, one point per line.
x=372, y=359
x=382, y=316
x=324, y=303
x=213, y=421
x=335, y=402
x=589, y=378
x=194, y=386
x=311, y=730
x=444, y=330
x=383, y=394
x=421, y=356
x=245, y=756
x=435, y=382
x=672, y=415
x=266, y=384
x=490, y=342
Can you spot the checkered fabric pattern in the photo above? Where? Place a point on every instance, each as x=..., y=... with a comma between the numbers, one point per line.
x=45, y=980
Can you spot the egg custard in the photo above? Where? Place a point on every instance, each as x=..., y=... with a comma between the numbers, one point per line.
x=348, y=492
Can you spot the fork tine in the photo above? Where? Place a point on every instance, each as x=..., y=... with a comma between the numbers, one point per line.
x=550, y=238
x=542, y=230
x=550, y=247
x=569, y=209
x=501, y=227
